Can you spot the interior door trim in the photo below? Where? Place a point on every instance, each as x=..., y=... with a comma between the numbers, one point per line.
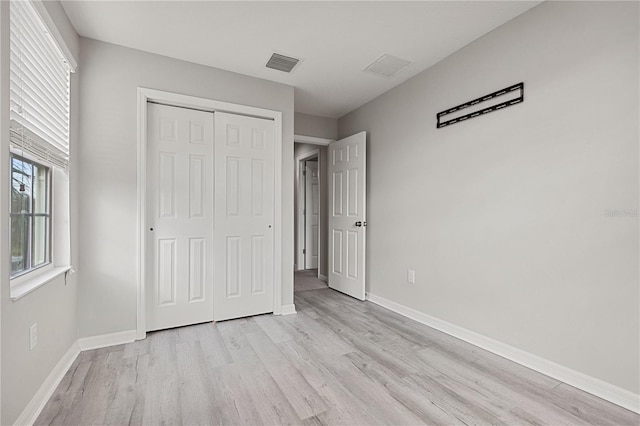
x=146, y=95
x=300, y=258
x=312, y=140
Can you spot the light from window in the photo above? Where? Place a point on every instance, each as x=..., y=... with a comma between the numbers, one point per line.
x=30, y=215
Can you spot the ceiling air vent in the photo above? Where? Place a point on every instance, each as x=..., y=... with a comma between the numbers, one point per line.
x=282, y=63
x=387, y=66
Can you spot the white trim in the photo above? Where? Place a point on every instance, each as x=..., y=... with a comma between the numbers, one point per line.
x=5, y=252
x=592, y=385
x=141, y=326
x=104, y=340
x=312, y=140
x=30, y=283
x=323, y=278
x=145, y=95
x=301, y=264
x=34, y=407
x=55, y=33
x=277, y=254
x=288, y=309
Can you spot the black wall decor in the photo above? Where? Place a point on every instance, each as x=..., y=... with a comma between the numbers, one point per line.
x=516, y=89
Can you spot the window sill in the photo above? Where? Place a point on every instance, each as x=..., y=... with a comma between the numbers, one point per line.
x=27, y=286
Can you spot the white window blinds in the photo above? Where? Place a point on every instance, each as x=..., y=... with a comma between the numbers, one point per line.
x=39, y=85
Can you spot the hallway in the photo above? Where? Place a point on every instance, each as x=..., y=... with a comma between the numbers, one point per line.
x=307, y=280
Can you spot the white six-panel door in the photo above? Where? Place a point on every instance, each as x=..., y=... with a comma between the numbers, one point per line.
x=244, y=213
x=312, y=214
x=179, y=260
x=347, y=215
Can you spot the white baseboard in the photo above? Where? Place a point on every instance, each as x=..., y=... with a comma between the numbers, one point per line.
x=34, y=407
x=323, y=278
x=32, y=410
x=102, y=341
x=288, y=309
x=592, y=385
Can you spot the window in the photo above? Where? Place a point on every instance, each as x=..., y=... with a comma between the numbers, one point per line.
x=30, y=215
x=39, y=82
x=39, y=88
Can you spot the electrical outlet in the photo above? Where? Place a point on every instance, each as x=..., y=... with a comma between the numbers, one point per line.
x=33, y=336
x=411, y=276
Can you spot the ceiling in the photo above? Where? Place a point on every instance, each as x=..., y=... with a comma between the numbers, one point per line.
x=334, y=40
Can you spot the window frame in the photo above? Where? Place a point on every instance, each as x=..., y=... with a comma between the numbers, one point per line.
x=31, y=270
x=27, y=140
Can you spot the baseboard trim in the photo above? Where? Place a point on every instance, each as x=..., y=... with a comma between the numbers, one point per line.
x=592, y=385
x=34, y=407
x=323, y=278
x=288, y=309
x=104, y=340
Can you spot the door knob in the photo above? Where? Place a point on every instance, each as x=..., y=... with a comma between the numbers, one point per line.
x=358, y=223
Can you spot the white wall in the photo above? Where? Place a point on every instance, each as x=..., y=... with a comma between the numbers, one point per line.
x=505, y=217
x=109, y=80
x=313, y=125
x=52, y=306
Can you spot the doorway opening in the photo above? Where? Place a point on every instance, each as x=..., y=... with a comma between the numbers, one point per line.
x=310, y=186
x=347, y=220
x=310, y=271
x=342, y=220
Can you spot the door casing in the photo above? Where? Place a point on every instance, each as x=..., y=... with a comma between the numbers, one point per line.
x=311, y=200
x=300, y=232
x=146, y=95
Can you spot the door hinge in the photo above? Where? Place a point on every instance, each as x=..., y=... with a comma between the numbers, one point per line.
x=304, y=251
x=304, y=211
x=304, y=173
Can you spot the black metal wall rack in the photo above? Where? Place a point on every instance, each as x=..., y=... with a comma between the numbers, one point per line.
x=513, y=101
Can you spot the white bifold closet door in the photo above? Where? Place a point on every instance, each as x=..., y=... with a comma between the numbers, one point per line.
x=244, y=213
x=210, y=206
x=179, y=258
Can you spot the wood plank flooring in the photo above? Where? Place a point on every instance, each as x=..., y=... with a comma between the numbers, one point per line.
x=338, y=361
x=307, y=280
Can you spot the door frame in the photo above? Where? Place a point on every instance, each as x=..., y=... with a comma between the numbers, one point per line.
x=310, y=140
x=311, y=199
x=146, y=95
x=302, y=190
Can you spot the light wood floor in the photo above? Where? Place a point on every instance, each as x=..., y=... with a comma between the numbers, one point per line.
x=307, y=280
x=338, y=361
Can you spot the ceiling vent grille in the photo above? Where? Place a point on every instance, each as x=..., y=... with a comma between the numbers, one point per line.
x=282, y=62
x=387, y=66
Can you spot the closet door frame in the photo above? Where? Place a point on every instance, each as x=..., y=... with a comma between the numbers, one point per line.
x=146, y=95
